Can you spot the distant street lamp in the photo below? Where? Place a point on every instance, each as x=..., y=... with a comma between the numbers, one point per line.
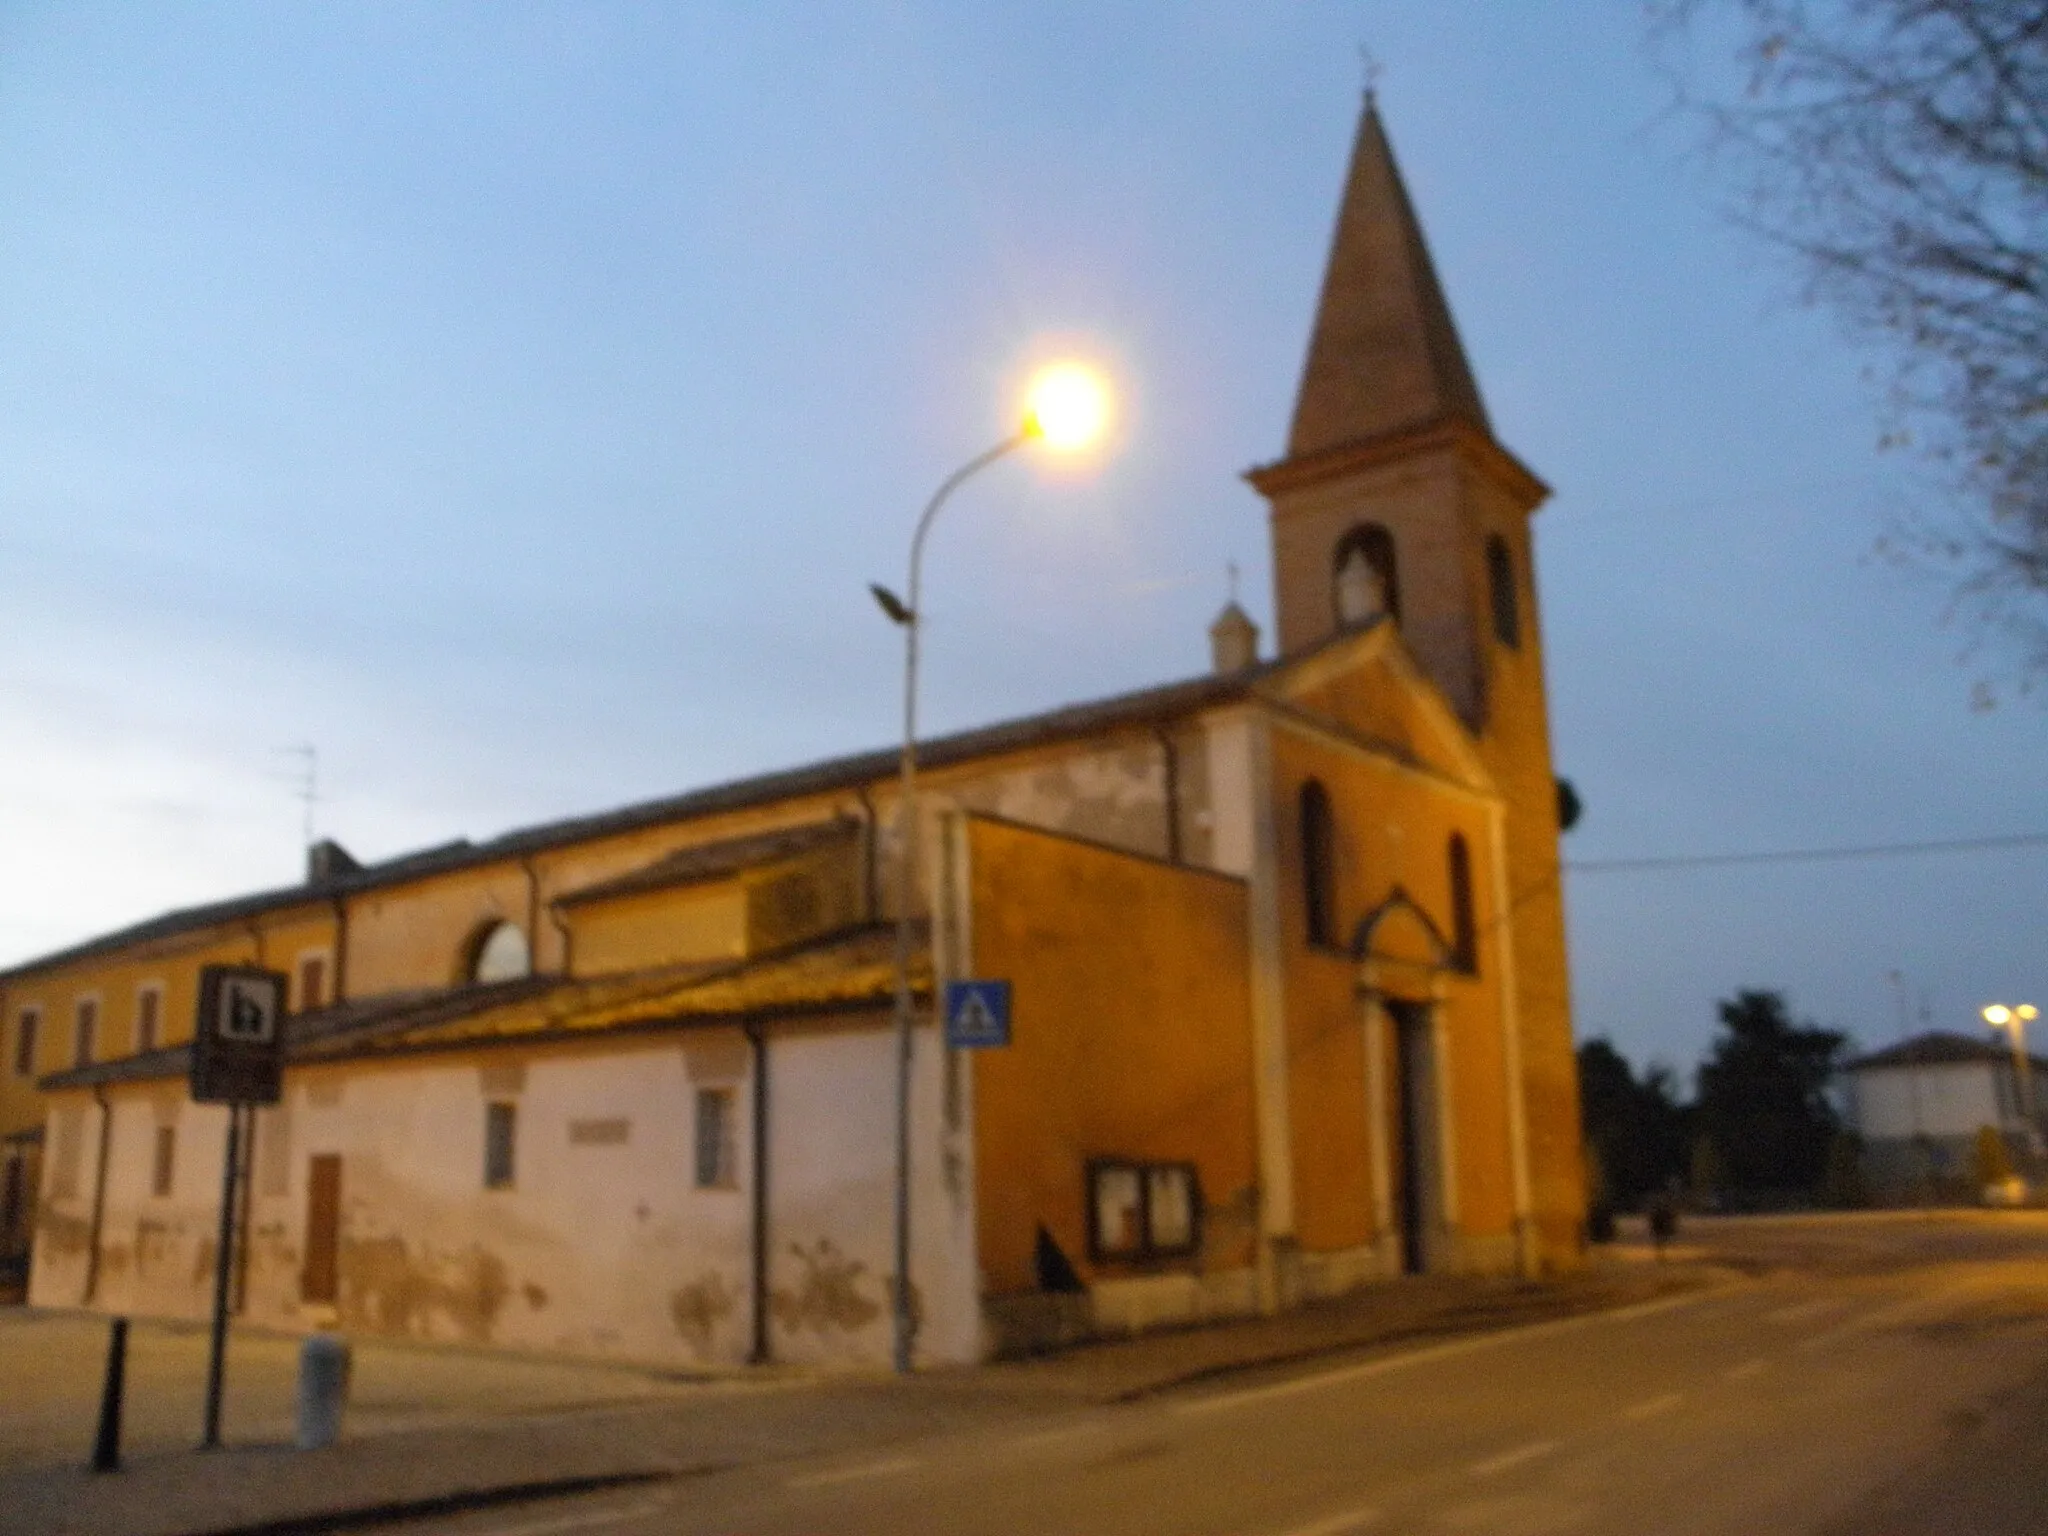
x=1066, y=407
x=2014, y=1020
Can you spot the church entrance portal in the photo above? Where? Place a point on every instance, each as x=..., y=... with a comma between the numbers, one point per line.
x=1410, y=1039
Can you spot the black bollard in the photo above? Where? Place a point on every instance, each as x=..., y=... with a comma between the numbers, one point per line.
x=106, y=1449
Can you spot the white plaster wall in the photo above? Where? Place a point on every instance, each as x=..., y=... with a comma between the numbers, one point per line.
x=57, y=1264
x=831, y=1160
x=595, y=1249
x=1230, y=792
x=157, y=1251
x=602, y=1249
x=1900, y=1102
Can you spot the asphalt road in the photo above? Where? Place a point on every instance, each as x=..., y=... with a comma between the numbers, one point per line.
x=1870, y=1376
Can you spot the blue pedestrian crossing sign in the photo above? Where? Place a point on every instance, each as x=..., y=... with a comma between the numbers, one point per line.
x=977, y=1014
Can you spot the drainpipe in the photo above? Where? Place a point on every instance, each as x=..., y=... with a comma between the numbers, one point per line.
x=532, y=909
x=340, y=947
x=1170, y=773
x=870, y=881
x=757, y=1039
x=568, y=938
x=1511, y=1046
x=99, y=1195
x=256, y=938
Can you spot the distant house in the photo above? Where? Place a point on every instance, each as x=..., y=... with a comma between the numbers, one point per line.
x=1918, y=1106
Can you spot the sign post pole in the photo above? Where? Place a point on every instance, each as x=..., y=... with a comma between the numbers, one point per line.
x=223, y=1266
x=237, y=1060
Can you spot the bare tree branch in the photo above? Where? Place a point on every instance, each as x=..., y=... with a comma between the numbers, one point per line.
x=1897, y=151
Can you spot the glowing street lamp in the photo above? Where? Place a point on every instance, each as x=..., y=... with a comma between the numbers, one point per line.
x=2014, y=1019
x=1067, y=408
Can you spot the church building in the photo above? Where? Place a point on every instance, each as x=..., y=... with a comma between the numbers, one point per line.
x=1285, y=944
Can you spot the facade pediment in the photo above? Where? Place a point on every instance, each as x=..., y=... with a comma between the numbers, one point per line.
x=1365, y=688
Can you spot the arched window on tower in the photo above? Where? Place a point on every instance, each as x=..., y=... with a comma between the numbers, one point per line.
x=1464, y=926
x=1318, y=865
x=1500, y=581
x=1365, y=580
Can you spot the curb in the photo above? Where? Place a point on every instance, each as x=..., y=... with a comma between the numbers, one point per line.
x=461, y=1502
x=1450, y=1325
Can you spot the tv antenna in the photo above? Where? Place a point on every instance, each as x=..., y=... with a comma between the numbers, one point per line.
x=307, y=781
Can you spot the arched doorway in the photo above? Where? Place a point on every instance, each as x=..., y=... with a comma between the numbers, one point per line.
x=1403, y=960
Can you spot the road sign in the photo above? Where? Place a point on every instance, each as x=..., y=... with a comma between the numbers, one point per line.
x=977, y=1014
x=238, y=1042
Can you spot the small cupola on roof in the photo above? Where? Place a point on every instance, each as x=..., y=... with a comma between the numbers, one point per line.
x=1384, y=356
x=1233, y=640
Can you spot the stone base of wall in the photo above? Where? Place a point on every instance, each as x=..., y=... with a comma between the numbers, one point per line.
x=1346, y=1269
x=1030, y=1323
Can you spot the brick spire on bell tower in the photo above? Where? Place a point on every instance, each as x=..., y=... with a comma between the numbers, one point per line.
x=1384, y=355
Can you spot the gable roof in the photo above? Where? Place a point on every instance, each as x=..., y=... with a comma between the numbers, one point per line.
x=839, y=972
x=1939, y=1048
x=1384, y=355
x=714, y=861
x=1140, y=708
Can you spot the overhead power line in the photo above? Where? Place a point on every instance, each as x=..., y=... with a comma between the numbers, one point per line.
x=1804, y=855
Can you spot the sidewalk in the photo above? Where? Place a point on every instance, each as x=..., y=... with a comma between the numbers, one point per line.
x=508, y=1447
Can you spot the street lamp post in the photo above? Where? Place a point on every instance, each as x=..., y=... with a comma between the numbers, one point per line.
x=1066, y=408
x=2013, y=1020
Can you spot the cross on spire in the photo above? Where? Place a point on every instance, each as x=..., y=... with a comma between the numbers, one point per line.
x=1369, y=66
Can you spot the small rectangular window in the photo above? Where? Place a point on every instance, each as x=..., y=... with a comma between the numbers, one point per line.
x=149, y=1011
x=501, y=1130
x=165, y=1161
x=1143, y=1210
x=600, y=1133
x=85, y=1032
x=312, y=983
x=27, y=1025
x=717, y=1167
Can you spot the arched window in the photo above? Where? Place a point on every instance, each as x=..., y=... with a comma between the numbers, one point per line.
x=500, y=953
x=1318, y=864
x=1464, y=927
x=1500, y=581
x=1365, y=581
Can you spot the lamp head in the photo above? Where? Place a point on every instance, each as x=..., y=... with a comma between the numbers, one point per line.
x=2026, y=1012
x=1997, y=1015
x=1066, y=407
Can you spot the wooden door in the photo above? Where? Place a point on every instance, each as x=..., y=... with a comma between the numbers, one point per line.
x=1414, y=1140
x=320, y=1280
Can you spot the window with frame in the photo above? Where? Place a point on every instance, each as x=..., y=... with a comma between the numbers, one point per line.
x=163, y=1164
x=501, y=1135
x=27, y=1025
x=1500, y=582
x=1140, y=1211
x=85, y=1030
x=1464, y=923
x=1318, y=865
x=717, y=1153
x=149, y=1017
x=312, y=982
x=500, y=953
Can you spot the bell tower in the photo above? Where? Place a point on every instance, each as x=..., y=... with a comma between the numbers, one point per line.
x=1395, y=499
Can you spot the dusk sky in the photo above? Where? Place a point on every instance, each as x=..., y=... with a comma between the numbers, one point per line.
x=514, y=401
